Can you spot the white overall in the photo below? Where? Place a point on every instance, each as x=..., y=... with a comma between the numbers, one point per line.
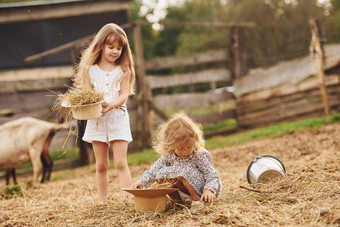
x=115, y=124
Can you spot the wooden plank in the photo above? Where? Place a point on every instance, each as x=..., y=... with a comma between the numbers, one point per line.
x=36, y=73
x=8, y=112
x=292, y=71
x=57, y=49
x=63, y=140
x=193, y=59
x=287, y=89
x=219, y=132
x=45, y=12
x=237, y=52
x=200, y=24
x=27, y=101
x=134, y=119
x=257, y=105
x=191, y=100
x=204, y=76
x=144, y=90
x=35, y=85
x=284, y=112
x=213, y=118
x=43, y=114
x=317, y=46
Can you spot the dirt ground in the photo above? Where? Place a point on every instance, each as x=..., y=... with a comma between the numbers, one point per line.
x=309, y=194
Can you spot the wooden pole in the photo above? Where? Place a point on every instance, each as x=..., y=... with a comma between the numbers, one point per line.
x=317, y=47
x=86, y=155
x=237, y=53
x=145, y=112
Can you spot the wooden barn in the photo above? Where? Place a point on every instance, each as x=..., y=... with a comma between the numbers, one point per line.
x=29, y=87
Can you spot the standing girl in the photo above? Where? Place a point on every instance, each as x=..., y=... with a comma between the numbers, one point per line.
x=107, y=66
x=184, y=161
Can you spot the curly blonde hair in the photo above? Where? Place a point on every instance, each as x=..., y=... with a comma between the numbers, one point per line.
x=109, y=33
x=179, y=130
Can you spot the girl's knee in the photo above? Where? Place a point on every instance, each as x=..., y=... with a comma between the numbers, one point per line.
x=102, y=168
x=120, y=165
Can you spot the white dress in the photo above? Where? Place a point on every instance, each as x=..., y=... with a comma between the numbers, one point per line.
x=115, y=124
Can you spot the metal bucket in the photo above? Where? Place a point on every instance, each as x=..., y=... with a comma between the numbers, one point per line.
x=264, y=168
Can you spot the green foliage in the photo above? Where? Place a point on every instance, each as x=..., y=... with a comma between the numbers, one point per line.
x=227, y=124
x=193, y=39
x=282, y=30
x=332, y=28
x=68, y=154
x=144, y=157
x=11, y=190
x=271, y=131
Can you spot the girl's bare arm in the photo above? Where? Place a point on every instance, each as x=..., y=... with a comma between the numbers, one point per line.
x=123, y=96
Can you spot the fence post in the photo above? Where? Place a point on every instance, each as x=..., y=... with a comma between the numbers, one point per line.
x=86, y=155
x=237, y=52
x=143, y=88
x=317, y=48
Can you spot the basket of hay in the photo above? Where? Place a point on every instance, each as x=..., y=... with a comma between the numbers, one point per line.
x=84, y=103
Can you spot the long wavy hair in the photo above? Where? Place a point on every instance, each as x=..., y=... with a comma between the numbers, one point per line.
x=179, y=130
x=109, y=33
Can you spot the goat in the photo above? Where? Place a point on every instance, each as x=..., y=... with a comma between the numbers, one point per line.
x=27, y=139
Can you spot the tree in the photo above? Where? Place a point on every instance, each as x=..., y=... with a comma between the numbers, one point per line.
x=332, y=23
x=282, y=31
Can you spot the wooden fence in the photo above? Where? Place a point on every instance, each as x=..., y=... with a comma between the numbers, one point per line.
x=265, y=96
x=150, y=104
x=286, y=103
x=287, y=91
x=162, y=102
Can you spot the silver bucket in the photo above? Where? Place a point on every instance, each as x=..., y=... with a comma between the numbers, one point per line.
x=264, y=168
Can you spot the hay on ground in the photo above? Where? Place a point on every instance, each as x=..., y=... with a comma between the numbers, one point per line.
x=309, y=194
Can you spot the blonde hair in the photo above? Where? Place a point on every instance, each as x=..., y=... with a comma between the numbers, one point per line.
x=179, y=130
x=110, y=33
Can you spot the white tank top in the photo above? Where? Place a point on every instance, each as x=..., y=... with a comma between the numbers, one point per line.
x=106, y=82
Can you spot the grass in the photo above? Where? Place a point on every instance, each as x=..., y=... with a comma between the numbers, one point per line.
x=145, y=157
x=270, y=131
x=227, y=124
x=71, y=154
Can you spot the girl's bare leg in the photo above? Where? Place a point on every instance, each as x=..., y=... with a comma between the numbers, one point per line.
x=183, y=185
x=186, y=187
x=119, y=148
x=102, y=163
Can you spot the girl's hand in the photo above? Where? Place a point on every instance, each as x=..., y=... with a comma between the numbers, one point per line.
x=208, y=196
x=107, y=107
x=137, y=185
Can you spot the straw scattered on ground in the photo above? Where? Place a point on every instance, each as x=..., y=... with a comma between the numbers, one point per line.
x=309, y=195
